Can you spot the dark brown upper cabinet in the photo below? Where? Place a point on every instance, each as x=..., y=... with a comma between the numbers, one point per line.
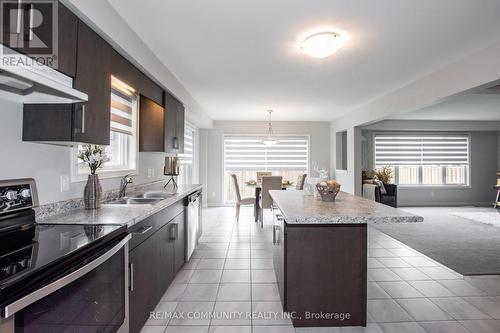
x=67, y=44
x=67, y=25
x=125, y=71
x=151, y=126
x=77, y=123
x=161, y=129
x=174, y=125
x=93, y=77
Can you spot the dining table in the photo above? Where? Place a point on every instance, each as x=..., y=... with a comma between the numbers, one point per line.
x=258, y=188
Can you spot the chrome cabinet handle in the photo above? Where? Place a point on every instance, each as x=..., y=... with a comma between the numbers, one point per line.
x=174, y=231
x=38, y=294
x=131, y=274
x=83, y=118
x=278, y=235
x=32, y=14
x=274, y=234
x=19, y=16
x=143, y=230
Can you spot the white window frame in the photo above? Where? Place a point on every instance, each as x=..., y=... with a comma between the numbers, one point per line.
x=183, y=178
x=420, y=185
x=109, y=172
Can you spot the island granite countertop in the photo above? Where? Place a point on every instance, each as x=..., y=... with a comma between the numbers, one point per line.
x=298, y=207
x=120, y=214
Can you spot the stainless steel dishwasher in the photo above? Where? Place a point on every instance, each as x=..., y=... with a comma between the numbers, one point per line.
x=192, y=205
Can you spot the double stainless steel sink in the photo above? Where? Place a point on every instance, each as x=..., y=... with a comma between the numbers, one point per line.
x=146, y=198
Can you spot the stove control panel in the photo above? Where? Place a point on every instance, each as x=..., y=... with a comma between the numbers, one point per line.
x=17, y=195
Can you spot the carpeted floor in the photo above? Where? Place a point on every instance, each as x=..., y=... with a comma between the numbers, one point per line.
x=468, y=247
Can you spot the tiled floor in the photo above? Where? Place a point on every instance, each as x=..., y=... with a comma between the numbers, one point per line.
x=231, y=276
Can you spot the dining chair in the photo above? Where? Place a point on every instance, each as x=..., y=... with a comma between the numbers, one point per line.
x=247, y=201
x=261, y=174
x=301, y=180
x=265, y=202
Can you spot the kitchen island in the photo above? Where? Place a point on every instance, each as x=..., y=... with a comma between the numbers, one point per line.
x=320, y=255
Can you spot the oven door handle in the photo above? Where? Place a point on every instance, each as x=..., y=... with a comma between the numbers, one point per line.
x=37, y=295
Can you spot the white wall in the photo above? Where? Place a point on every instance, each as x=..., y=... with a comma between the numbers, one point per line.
x=46, y=163
x=484, y=155
x=212, y=148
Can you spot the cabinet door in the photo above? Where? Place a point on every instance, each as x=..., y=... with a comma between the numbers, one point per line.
x=179, y=230
x=125, y=71
x=151, y=131
x=179, y=130
x=67, y=45
x=170, y=125
x=143, y=289
x=279, y=254
x=165, y=259
x=93, y=77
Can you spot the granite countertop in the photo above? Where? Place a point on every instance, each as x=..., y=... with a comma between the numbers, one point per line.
x=120, y=214
x=298, y=207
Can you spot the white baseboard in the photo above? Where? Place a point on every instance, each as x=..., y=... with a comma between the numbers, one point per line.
x=442, y=204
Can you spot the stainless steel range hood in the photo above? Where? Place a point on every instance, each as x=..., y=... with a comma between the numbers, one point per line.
x=36, y=83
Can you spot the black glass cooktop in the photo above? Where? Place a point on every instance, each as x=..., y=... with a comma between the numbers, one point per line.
x=50, y=244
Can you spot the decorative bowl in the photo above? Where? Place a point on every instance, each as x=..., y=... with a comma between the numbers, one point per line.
x=328, y=190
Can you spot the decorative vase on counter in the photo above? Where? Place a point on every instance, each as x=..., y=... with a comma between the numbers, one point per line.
x=92, y=193
x=328, y=190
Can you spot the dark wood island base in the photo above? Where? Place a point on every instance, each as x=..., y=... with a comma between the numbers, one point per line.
x=321, y=272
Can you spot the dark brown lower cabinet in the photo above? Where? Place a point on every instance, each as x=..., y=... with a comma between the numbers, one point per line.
x=321, y=272
x=179, y=240
x=156, y=255
x=143, y=296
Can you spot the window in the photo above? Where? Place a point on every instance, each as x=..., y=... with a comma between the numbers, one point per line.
x=245, y=155
x=122, y=149
x=187, y=159
x=429, y=160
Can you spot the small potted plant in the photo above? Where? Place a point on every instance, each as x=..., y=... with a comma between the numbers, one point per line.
x=384, y=174
x=94, y=157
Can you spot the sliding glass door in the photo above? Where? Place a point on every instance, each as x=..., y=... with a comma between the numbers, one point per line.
x=245, y=155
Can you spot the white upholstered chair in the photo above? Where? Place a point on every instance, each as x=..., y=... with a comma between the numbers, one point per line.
x=266, y=202
x=248, y=201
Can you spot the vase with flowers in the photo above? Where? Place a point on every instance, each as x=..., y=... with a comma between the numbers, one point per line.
x=94, y=156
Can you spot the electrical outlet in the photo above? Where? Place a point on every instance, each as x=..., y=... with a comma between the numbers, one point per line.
x=64, y=183
x=149, y=172
x=153, y=172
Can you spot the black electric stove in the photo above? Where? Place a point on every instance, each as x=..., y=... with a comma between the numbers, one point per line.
x=31, y=252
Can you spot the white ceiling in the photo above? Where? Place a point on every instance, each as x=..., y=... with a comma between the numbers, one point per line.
x=239, y=58
x=472, y=107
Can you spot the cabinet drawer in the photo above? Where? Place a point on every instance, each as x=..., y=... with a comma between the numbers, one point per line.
x=146, y=228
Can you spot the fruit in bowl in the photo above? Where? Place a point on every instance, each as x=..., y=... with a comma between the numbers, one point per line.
x=286, y=183
x=251, y=182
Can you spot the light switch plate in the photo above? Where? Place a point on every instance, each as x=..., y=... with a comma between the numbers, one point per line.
x=64, y=183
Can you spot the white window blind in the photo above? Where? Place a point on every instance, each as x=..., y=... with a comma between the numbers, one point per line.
x=428, y=159
x=421, y=150
x=248, y=153
x=122, y=106
x=187, y=156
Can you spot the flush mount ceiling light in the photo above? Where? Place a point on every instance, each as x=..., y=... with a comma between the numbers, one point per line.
x=270, y=139
x=322, y=44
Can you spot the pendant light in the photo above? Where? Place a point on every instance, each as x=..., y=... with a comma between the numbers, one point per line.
x=270, y=139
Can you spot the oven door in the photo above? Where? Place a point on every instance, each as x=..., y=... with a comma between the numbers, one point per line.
x=92, y=298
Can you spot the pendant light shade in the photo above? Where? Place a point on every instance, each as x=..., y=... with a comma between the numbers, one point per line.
x=270, y=139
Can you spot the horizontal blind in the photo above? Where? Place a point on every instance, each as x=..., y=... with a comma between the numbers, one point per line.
x=187, y=156
x=248, y=153
x=122, y=111
x=421, y=150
